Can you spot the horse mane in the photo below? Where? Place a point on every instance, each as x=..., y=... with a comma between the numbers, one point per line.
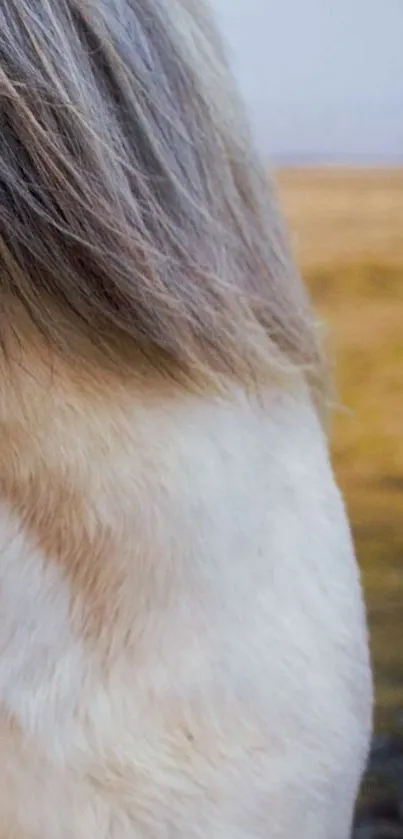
x=133, y=211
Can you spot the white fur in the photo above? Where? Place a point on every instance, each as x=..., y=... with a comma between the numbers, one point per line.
x=41, y=664
x=239, y=705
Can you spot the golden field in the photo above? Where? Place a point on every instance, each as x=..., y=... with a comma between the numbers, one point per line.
x=347, y=234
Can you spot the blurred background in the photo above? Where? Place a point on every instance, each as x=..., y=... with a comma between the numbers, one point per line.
x=323, y=82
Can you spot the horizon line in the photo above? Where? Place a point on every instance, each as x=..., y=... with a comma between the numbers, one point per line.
x=324, y=158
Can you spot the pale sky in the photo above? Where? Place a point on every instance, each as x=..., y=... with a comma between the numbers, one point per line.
x=320, y=77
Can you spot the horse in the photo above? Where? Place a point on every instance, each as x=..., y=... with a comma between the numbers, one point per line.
x=183, y=648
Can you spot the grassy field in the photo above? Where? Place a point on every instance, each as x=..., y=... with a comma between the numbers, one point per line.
x=347, y=234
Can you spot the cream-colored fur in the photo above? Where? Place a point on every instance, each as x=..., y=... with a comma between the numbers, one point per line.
x=183, y=650
x=183, y=656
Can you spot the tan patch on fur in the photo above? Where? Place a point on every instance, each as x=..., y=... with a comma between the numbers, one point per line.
x=58, y=449
x=83, y=465
x=58, y=522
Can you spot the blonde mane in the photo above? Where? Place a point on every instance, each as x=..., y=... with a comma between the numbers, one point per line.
x=134, y=215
